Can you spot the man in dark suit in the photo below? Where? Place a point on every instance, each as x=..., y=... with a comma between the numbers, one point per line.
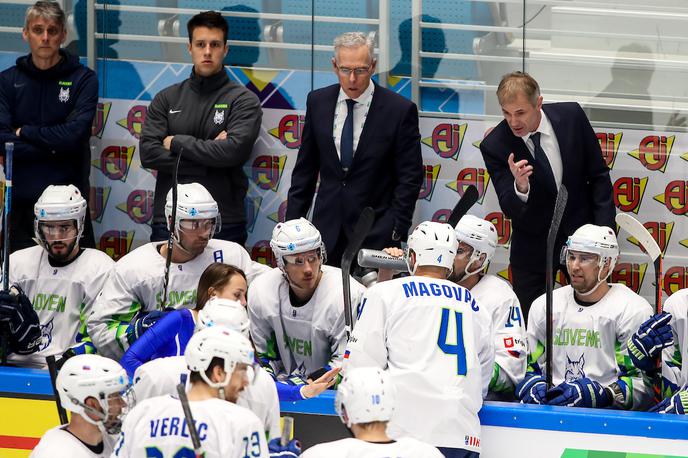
x=534, y=150
x=364, y=142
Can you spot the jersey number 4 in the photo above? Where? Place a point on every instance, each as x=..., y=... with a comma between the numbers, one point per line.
x=457, y=348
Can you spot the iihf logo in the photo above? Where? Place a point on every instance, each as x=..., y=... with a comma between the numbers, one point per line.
x=64, y=95
x=219, y=117
x=193, y=212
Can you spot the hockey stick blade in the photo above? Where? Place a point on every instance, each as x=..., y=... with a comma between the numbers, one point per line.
x=363, y=226
x=181, y=391
x=469, y=198
x=557, y=215
x=649, y=244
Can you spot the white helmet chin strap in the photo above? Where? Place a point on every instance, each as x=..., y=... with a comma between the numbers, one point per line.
x=599, y=280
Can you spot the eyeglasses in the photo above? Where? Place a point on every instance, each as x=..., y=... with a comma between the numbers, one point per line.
x=584, y=259
x=197, y=224
x=359, y=71
x=300, y=260
x=57, y=229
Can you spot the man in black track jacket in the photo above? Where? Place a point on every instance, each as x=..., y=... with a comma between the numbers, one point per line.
x=212, y=122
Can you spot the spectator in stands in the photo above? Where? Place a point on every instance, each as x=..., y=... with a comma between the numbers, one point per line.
x=212, y=122
x=47, y=103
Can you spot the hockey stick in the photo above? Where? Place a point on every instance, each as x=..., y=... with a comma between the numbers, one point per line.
x=4, y=330
x=61, y=413
x=181, y=391
x=170, y=238
x=648, y=243
x=363, y=225
x=381, y=260
x=559, y=207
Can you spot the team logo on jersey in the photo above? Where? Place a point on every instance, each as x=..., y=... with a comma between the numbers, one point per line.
x=267, y=171
x=653, y=152
x=116, y=243
x=252, y=207
x=100, y=119
x=219, y=117
x=281, y=214
x=630, y=274
x=428, y=185
x=675, y=278
x=574, y=369
x=134, y=120
x=675, y=197
x=471, y=176
x=63, y=96
x=446, y=140
x=98, y=199
x=289, y=130
x=609, y=144
x=46, y=335
x=176, y=299
x=660, y=231
x=503, y=226
x=139, y=206
x=628, y=193
x=115, y=162
x=50, y=302
x=262, y=253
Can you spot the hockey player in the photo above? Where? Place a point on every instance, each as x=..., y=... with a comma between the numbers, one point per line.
x=296, y=310
x=161, y=376
x=58, y=277
x=96, y=391
x=364, y=402
x=218, y=360
x=136, y=286
x=666, y=334
x=428, y=333
x=592, y=323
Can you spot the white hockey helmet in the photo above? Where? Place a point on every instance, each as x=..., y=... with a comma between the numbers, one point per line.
x=58, y=203
x=223, y=312
x=434, y=244
x=600, y=240
x=217, y=342
x=481, y=235
x=296, y=236
x=86, y=376
x=366, y=394
x=193, y=202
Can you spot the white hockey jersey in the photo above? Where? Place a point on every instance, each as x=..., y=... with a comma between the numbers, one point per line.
x=590, y=341
x=302, y=339
x=136, y=284
x=58, y=441
x=674, y=372
x=63, y=297
x=157, y=425
x=496, y=298
x=161, y=376
x=428, y=333
x=404, y=447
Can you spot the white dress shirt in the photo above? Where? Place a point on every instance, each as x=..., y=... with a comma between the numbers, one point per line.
x=550, y=145
x=360, y=114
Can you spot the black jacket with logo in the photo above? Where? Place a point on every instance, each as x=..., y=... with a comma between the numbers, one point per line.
x=55, y=109
x=195, y=111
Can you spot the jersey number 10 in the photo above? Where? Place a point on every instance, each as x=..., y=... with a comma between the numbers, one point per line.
x=458, y=348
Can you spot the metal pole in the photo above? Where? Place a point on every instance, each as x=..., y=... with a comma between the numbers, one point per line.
x=383, y=66
x=90, y=34
x=416, y=8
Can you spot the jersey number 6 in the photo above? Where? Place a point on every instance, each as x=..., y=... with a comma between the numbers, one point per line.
x=458, y=348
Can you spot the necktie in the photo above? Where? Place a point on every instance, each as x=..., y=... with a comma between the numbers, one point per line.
x=542, y=165
x=346, y=146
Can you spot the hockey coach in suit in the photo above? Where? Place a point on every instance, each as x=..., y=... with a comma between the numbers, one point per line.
x=363, y=141
x=529, y=155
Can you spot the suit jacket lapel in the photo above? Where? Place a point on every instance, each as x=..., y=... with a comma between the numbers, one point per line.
x=328, y=108
x=372, y=120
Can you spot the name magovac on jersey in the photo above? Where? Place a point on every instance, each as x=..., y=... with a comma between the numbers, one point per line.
x=433, y=289
x=580, y=337
x=175, y=298
x=175, y=426
x=299, y=346
x=49, y=302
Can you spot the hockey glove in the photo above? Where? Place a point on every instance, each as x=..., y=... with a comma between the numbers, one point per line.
x=18, y=314
x=532, y=389
x=144, y=322
x=645, y=345
x=580, y=393
x=291, y=450
x=677, y=404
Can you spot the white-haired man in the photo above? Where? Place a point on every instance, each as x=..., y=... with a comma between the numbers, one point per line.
x=365, y=401
x=297, y=310
x=429, y=334
x=96, y=391
x=592, y=322
x=132, y=299
x=363, y=143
